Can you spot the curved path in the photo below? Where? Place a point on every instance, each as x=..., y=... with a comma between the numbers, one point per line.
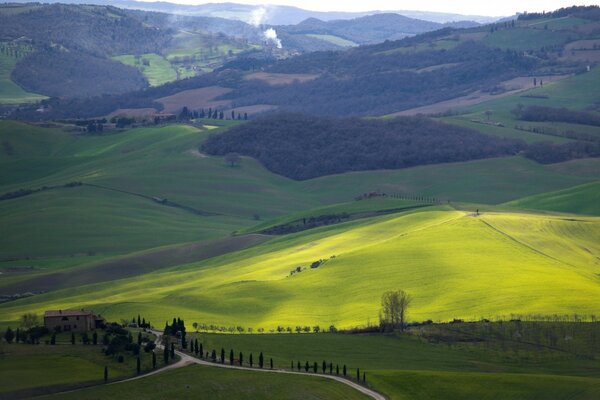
x=186, y=359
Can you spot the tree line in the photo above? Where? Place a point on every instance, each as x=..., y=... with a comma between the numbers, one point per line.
x=542, y=114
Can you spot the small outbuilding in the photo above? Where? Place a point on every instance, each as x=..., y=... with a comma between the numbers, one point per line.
x=72, y=320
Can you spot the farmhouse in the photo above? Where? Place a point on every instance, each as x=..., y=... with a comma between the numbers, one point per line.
x=72, y=320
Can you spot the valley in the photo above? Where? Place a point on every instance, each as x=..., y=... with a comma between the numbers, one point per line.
x=406, y=205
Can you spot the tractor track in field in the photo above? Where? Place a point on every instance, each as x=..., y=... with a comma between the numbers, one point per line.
x=512, y=238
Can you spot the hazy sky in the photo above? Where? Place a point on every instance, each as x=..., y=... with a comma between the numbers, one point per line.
x=473, y=7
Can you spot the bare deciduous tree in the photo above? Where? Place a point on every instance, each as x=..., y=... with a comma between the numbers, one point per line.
x=29, y=320
x=232, y=159
x=394, y=308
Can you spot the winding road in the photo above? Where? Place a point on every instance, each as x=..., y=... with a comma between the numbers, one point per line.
x=186, y=359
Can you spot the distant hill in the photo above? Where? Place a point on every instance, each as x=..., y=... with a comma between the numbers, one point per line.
x=370, y=29
x=80, y=50
x=271, y=14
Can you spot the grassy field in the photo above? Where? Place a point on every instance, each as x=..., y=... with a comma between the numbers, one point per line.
x=443, y=361
x=577, y=92
x=91, y=224
x=583, y=199
x=135, y=162
x=338, y=41
x=421, y=385
x=214, y=383
x=522, y=39
x=158, y=71
x=10, y=92
x=554, y=258
x=62, y=365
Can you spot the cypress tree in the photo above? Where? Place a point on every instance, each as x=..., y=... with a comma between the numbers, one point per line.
x=358, y=374
x=166, y=355
x=337, y=369
x=201, y=350
x=153, y=360
x=231, y=357
x=306, y=367
x=9, y=335
x=364, y=377
x=344, y=370
x=250, y=361
x=241, y=359
x=292, y=366
x=299, y=368
x=261, y=360
x=324, y=366
x=105, y=374
x=222, y=355
x=315, y=367
x=197, y=351
x=271, y=363
x=138, y=365
x=172, y=350
x=330, y=368
x=139, y=321
x=95, y=338
x=213, y=356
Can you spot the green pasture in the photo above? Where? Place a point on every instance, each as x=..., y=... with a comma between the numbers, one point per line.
x=421, y=385
x=338, y=41
x=158, y=71
x=10, y=92
x=576, y=92
x=47, y=368
x=583, y=199
x=133, y=163
x=481, y=266
x=522, y=39
x=206, y=382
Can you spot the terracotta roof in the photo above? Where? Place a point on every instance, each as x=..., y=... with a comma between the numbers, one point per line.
x=67, y=313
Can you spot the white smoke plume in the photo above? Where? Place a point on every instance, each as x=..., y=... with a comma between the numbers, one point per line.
x=271, y=36
x=258, y=16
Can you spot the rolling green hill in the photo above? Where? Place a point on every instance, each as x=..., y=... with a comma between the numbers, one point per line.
x=583, y=199
x=129, y=169
x=478, y=263
x=10, y=92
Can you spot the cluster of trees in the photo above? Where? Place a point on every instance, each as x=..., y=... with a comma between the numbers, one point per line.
x=186, y=114
x=550, y=153
x=588, y=12
x=55, y=72
x=30, y=331
x=101, y=31
x=370, y=81
x=141, y=322
x=542, y=114
x=178, y=330
x=303, y=147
